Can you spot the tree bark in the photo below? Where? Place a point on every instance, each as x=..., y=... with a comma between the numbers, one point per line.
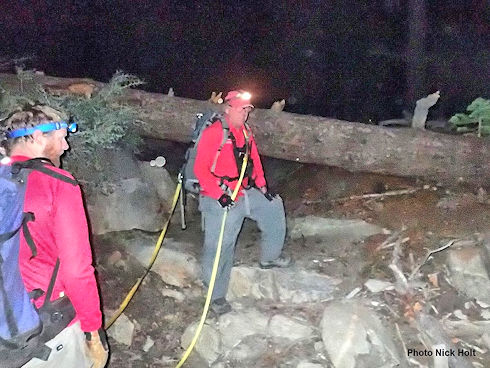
x=356, y=147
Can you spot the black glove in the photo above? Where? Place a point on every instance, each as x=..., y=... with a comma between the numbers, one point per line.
x=270, y=195
x=225, y=201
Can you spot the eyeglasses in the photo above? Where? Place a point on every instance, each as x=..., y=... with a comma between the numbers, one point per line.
x=46, y=127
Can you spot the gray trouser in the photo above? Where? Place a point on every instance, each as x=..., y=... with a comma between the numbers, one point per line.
x=67, y=350
x=270, y=219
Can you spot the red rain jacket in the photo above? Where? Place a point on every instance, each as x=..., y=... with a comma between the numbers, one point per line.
x=60, y=231
x=226, y=164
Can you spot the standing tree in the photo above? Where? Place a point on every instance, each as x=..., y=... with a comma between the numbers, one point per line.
x=416, y=61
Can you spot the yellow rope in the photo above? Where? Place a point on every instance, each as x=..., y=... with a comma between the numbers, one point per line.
x=215, y=268
x=158, y=245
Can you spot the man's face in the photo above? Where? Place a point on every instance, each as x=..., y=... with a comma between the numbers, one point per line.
x=237, y=116
x=56, y=145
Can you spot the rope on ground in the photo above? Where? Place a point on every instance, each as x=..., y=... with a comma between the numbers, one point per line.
x=153, y=257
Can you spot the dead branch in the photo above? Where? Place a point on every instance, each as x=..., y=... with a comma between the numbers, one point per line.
x=402, y=341
x=401, y=285
x=416, y=269
x=390, y=193
x=390, y=241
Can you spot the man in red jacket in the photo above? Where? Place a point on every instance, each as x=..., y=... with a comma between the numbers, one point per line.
x=59, y=231
x=218, y=171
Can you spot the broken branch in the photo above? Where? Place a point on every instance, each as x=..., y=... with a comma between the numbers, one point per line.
x=416, y=270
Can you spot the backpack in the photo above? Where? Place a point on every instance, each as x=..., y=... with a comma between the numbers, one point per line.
x=24, y=329
x=189, y=180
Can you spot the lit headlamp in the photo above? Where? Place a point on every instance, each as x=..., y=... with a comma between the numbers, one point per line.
x=45, y=127
x=244, y=95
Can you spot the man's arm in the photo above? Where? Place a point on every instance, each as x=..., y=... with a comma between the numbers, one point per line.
x=258, y=171
x=76, y=271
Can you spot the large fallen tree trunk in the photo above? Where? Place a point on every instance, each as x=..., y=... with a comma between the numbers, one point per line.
x=312, y=139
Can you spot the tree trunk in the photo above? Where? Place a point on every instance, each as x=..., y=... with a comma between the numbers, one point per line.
x=353, y=146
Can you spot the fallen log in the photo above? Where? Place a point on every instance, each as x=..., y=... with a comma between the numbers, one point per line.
x=356, y=147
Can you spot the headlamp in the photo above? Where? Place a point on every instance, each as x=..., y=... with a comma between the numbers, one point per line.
x=244, y=95
x=45, y=127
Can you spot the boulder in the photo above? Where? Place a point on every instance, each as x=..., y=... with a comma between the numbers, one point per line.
x=174, y=265
x=354, y=337
x=237, y=325
x=289, y=328
x=124, y=194
x=329, y=229
x=290, y=285
x=468, y=272
x=122, y=330
x=208, y=345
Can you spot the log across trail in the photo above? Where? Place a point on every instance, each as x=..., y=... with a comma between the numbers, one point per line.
x=356, y=147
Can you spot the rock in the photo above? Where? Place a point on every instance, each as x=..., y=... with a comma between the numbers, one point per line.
x=125, y=194
x=248, y=350
x=291, y=285
x=308, y=365
x=250, y=282
x=329, y=229
x=376, y=286
x=448, y=203
x=174, y=266
x=468, y=273
x=161, y=180
x=175, y=294
x=208, y=344
x=466, y=329
x=122, y=330
x=482, y=196
x=301, y=286
x=288, y=328
x=485, y=340
x=486, y=245
x=131, y=204
x=235, y=326
x=148, y=344
x=114, y=258
x=352, y=333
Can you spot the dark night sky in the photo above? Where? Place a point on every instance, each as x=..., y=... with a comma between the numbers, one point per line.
x=345, y=59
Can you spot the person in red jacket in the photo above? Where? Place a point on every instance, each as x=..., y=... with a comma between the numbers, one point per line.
x=218, y=171
x=59, y=231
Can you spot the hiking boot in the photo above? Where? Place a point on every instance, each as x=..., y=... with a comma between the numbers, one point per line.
x=282, y=261
x=220, y=306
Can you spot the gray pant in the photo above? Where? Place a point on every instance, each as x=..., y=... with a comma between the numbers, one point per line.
x=67, y=350
x=270, y=219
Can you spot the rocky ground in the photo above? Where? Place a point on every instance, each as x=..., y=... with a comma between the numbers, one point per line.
x=364, y=291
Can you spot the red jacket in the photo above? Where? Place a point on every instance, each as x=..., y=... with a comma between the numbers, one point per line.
x=226, y=165
x=60, y=231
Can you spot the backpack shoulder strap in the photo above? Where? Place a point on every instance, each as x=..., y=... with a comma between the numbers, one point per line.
x=226, y=135
x=49, y=292
x=41, y=165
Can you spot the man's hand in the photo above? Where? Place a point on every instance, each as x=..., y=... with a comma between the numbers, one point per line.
x=269, y=195
x=225, y=201
x=96, y=348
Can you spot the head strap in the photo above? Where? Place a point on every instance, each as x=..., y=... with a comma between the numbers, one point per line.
x=45, y=127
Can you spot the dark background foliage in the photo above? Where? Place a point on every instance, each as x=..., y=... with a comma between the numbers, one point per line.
x=351, y=59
